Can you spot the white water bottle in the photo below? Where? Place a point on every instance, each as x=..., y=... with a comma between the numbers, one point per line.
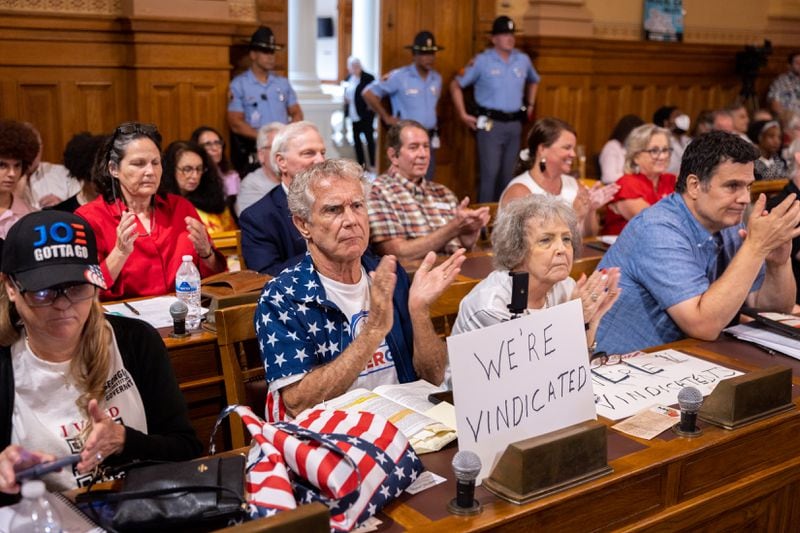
x=187, y=289
x=35, y=513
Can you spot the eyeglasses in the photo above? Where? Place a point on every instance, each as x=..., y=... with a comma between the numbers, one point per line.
x=212, y=144
x=73, y=293
x=187, y=170
x=655, y=152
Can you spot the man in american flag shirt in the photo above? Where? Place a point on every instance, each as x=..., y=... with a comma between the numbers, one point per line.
x=341, y=318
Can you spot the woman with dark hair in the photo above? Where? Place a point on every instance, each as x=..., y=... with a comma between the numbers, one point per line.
x=212, y=143
x=18, y=149
x=612, y=156
x=142, y=231
x=543, y=169
x=73, y=380
x=79, y=157
x=189, y=172
x=767, y=135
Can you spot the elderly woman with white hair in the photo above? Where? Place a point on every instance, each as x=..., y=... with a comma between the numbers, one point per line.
x=341, y=318
x=646, y=181
x=793, y=187
x=360, y=114
x=538, y=235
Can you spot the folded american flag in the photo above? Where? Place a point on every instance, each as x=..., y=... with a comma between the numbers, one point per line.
x=355, y=463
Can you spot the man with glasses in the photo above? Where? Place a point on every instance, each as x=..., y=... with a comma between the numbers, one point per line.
x=258, y=97
x=689, y=263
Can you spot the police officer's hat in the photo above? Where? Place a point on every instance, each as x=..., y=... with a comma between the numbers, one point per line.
x=263, y=40
x=503, y=24
x=425, y=43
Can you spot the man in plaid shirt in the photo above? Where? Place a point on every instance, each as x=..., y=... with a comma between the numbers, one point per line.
x=409, y=216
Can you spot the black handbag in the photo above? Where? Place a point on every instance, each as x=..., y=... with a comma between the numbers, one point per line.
x=206, y=491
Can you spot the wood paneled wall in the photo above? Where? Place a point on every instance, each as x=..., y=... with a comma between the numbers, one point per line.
x=592, y=83
x=68, y=74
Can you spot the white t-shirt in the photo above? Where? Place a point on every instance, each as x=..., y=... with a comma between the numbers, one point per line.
x=487, y=303
x=353, y=300
x=569, y=187
x=612, y=161
x=46, y=418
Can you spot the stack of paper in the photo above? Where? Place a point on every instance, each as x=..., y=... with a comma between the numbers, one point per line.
x=766, y=339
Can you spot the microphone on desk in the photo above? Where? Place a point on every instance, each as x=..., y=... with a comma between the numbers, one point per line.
x=466, y=467
x=178, y=312
x=519, y=294
x=689, y=400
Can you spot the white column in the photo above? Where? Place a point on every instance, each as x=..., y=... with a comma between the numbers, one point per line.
x=302, y=49
x=366, y=25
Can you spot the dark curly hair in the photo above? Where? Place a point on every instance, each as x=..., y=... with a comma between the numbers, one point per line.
x=80, y=153
x=18, y=141
x=208, y=196
x=113, y=151
x=224, y=164
x=708, y=151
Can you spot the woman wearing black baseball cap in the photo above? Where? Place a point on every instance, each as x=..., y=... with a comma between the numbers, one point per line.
x=73, y=380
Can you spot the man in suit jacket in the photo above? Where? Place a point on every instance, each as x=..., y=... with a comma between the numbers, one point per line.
x=361, y=115
x=270, y=241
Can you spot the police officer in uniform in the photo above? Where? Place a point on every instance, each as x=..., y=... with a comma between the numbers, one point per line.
x=258, y=97
x=413, y=90
x=505, y=91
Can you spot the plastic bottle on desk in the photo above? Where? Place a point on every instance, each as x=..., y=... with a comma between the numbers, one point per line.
x=35, y=513
x=187, y=289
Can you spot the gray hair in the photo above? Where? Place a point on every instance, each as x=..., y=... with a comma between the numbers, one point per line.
x=264, y=131
x=637, y=142
x=510, y=234
x=301, y=198
x=353, y=60
x=793, y=149
x=287, y=134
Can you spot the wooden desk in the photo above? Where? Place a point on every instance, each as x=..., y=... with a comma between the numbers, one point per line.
x=198, y=370
x=743, y=480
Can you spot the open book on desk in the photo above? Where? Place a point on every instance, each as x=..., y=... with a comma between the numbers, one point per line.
x=428, y=427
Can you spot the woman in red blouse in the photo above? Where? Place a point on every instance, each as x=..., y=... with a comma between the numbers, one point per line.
x=645, y=181
x=142, y=231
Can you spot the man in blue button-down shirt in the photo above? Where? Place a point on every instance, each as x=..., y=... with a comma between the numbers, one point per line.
x=259, y=96
x=413, y=90
x=688, y=263
x=505, y=91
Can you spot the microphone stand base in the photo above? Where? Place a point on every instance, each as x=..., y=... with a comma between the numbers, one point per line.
x=179, y=335
x=453, y=508
x=689, y=434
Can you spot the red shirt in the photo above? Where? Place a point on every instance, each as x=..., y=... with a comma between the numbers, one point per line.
x=150, y=269
x=634, y=186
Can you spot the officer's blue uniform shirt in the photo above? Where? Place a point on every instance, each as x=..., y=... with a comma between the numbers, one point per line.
x=499, y=85
x=411, y=96
x=261, y=103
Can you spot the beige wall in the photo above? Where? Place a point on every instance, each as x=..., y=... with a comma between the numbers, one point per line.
x=735, y=22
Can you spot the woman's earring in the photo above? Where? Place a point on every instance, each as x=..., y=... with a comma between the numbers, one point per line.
x=543, y=164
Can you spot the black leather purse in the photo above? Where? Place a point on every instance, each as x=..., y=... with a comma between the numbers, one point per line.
x=207, y=492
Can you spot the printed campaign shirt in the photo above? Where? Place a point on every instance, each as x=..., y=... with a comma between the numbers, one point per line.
x=39, y=423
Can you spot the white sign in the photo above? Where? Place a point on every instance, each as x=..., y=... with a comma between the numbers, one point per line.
x=646, y=379
x=520, y=379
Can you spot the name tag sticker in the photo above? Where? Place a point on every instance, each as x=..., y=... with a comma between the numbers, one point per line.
x=412, y=91
x=444, y=206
